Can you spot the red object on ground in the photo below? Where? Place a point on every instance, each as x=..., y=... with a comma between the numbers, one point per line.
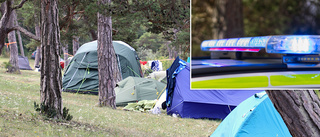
x=143, y=62
x=62, y=64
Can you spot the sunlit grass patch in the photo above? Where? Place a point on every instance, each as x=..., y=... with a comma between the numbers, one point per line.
x=18, y=117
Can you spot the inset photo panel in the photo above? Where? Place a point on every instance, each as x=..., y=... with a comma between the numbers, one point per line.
x=252, y=44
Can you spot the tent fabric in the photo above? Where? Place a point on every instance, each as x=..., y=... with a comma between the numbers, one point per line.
x=133, y=89
x=254, y=117
x=141, y=106
x=212, y=104
x=158, y=75
x=160, y=100
x=81, y=74
x=24, y=63
x=171, y=80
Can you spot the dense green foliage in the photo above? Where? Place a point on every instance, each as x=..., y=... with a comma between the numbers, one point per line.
x=168, y=20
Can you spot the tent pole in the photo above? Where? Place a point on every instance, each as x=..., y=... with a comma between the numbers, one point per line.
x=76, y=70
x=119, y=66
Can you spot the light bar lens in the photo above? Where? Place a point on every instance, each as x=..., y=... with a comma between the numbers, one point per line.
x=287, y=44
x=235, y=49
x=305, y=44
x=235, y=44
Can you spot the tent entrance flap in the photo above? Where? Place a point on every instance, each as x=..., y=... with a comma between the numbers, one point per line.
x=76, y=70
x=134, y=71
x=84, y=77
x=119, y=65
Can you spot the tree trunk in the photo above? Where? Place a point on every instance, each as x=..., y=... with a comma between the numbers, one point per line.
x=37, y=30
x=75, y=44
x=37, y=57
x=6, y=12
x=169, y=49
x=107, y=63
x=6, y=9
x=234, y=19
x=228, y=22
x=92, y=32
x=50, y=90
x=19, y=35
x=14, y=61
x=299, y=110
x=65, y=54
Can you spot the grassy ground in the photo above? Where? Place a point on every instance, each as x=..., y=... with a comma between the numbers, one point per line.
x=18, y=117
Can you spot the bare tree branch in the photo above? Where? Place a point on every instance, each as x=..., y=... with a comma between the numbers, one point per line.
x=20, y=5
x=24, y=31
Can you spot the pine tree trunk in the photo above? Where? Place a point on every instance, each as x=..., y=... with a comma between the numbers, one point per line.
x=169, y=49
x=37, y=57
x=6, y=12
x=14, y=68
x=300, y=110
x=50, y=90
x=38, y=54
x=75, y=44
x=107, y=63
x=19, y=35
x=234, y=19
x=20, y=44
x=37, y=31
x=92, y=32
x=14, y=61
x=65, y=54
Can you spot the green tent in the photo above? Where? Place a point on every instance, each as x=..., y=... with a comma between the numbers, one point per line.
x=133, y=89
x=82, y=73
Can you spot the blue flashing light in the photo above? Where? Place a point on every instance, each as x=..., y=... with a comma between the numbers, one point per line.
x=212, y=43
x=232, y=42
x=287, y=44
x=259, y=41
x=247, y=42
x=221, y=43
x=208, y=43
x=294, y=44
x=243, y=42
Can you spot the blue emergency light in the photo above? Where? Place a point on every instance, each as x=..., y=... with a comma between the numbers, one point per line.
x=294, y=44
x=286, y=44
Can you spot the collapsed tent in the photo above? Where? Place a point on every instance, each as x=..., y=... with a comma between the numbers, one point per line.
x=213, y=104
x=81, y=74
x=254, y=117
x=159, y=76
x=133, y=89
x=24, y=63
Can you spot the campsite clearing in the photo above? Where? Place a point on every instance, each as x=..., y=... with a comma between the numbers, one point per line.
x=18, y=117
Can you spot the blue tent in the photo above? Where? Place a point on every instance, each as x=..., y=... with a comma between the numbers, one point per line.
x=212, y=104
x=254, y=117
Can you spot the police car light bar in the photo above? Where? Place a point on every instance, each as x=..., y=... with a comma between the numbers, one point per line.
x=247, y=44
x=294, y=44
x=286, y=44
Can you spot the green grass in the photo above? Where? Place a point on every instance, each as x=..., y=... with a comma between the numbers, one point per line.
x=18, y=117
x=236, y=82
x=295, y=79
